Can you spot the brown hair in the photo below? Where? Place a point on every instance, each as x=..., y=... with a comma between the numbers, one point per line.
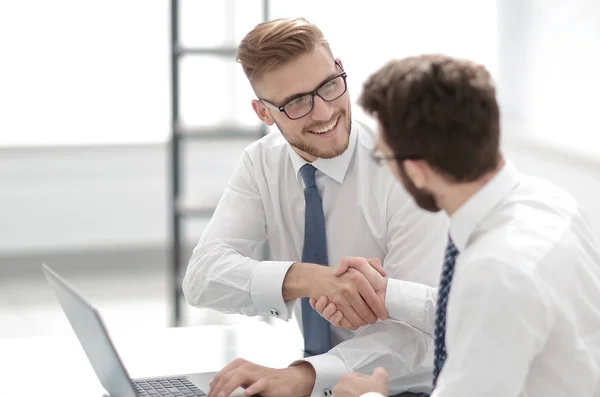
x=274, y=43
x=439, y=109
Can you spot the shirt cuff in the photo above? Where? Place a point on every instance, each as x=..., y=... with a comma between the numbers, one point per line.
x=266, y=289
x=404, y=301
x=372, y=394
x=328, y=368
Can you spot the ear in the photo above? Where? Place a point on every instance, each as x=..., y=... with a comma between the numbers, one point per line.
x=338, y=60
x=262, y=112
x=417, y=172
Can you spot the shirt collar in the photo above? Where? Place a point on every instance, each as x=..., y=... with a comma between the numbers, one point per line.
x=464, y=221
x=335, y=168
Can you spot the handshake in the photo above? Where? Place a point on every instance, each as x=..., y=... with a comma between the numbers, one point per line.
x=352, y=294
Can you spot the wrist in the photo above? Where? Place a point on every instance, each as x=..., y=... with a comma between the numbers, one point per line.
x=381, y=293
x=303, y=376
x=300, y=280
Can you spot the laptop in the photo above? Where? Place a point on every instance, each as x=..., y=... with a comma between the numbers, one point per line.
x=101, y=353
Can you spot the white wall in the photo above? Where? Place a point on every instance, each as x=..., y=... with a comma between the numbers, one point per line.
x=577, y=172
x=98, y=73
x=111, y=197
x=79, y=73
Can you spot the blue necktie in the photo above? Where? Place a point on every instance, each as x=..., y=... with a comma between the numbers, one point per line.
x=316, y=329
x=442, y=303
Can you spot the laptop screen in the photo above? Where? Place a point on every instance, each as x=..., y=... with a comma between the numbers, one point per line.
x=92, y=335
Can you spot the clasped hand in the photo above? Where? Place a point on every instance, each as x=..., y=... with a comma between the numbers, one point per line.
x=357, y=296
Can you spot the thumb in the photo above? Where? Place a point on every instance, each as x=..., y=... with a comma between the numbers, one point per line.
x=363, y=265
x=342, y=267
x=380, y=373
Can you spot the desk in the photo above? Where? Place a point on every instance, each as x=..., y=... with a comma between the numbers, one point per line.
x=57, y=366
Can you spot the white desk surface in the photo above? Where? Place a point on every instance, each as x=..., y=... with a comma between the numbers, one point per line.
x=57, y=366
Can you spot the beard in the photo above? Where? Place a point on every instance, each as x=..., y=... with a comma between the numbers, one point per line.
x=424, y=199
x=325, y=153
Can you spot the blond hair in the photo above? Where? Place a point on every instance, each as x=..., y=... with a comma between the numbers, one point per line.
x=274, y=43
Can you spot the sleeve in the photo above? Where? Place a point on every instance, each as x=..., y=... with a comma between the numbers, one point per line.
x=416, y=244
x=416, y=241
x=499, y=317
x=222, y=273
x=413, y=303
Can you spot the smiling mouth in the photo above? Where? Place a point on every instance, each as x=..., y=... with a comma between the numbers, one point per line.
x=326, y=128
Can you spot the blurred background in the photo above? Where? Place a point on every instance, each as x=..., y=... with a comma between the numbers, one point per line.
x=88, y=137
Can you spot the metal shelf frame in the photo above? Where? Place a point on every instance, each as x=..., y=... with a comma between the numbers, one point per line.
x=179, y=209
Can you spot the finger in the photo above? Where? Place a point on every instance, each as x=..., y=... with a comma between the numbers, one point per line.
x=256, y=387
x=312, y=302
x=347, y=309
x=376, y=306
x=321, y=304
x=329, y=311
x=342, y=267
x=225, y=372
x=336, y=319
x=358, y=302
x=366, y=265
x=240, y=379
x=347, y=324
x=377, y=265
x=380, y=374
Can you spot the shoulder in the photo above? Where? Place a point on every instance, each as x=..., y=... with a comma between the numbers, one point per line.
x=367, y=135
x=526, y=231
x=272, y=141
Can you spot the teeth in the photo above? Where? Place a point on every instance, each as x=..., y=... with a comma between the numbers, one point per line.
x=327, y=128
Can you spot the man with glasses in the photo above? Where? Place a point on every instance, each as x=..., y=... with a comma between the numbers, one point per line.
x=317, y=196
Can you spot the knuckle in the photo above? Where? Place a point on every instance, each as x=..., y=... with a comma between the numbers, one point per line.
x=226, y=377
x=356, y=276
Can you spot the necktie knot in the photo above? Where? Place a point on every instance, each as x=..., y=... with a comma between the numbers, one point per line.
x=308, y=175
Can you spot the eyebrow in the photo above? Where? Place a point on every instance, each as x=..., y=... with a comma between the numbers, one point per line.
x=325, y=80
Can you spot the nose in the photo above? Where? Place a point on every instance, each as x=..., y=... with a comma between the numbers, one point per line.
x=322, y=111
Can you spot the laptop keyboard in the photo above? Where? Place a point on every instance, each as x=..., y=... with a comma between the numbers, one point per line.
x=171, y=387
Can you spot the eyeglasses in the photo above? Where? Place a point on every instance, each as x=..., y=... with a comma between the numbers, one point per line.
x=381, y=158
x=302, y=104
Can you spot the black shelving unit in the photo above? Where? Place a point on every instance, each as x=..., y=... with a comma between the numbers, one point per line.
x=180, y=209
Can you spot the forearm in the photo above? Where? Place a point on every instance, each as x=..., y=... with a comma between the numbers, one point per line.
x=220, y=278
x=403, y=350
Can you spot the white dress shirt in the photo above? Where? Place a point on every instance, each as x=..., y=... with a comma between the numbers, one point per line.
x=523, y=314
x=367, y=214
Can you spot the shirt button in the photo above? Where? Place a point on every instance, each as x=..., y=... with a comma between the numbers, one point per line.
x=327, y=393
x=274, y=312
